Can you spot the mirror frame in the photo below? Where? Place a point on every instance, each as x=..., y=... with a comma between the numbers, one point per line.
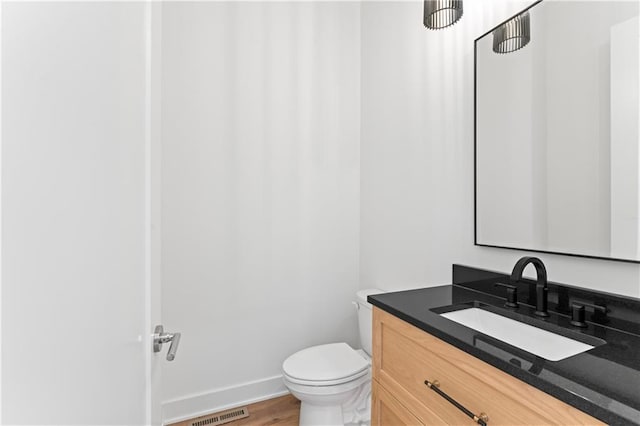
x=475, y=160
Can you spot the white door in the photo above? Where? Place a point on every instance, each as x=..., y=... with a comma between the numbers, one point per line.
x=79, y=245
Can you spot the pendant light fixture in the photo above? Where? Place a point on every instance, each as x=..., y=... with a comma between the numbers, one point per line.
x=441, y=13
x=513, y=34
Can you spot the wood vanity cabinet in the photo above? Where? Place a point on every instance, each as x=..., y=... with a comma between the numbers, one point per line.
x=405, y=356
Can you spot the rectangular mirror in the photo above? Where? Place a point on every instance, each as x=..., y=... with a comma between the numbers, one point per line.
x=557, y=142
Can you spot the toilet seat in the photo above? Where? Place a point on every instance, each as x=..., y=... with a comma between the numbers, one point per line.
x=325, y=382
x=325, y=365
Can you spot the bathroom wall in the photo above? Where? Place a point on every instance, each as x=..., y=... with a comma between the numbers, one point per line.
x=417, y=155
x=260, y=192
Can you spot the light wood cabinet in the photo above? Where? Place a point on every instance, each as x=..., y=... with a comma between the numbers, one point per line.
x=404, y=357
x=388, y=411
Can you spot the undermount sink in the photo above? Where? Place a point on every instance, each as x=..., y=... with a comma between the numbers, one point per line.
x=543, y=343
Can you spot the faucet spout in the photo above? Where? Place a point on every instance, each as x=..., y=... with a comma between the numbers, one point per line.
x=541, y=282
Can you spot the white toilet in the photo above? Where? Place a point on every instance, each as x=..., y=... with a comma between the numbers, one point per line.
x=333, y=381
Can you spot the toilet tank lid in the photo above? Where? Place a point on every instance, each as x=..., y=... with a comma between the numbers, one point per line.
x=361, y=295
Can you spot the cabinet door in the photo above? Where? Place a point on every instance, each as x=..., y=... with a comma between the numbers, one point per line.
x=80, y=213
x=387, y=411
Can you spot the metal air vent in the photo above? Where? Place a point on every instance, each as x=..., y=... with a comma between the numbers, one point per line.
x=222, y=417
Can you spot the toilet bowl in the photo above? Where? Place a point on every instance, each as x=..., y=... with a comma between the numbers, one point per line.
x=333, y=381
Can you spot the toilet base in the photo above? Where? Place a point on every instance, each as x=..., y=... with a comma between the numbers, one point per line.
x=357, y=410
x=318, y=415
x=346, y=404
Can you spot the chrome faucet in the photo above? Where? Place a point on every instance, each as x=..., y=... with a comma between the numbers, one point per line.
x=541, y=282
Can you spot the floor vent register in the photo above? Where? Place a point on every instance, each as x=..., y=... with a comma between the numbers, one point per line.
x=222, y=417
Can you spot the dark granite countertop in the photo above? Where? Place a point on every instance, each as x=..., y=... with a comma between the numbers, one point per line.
x=603, y=382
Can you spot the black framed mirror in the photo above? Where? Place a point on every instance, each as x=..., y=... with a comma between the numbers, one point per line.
x=557, y=141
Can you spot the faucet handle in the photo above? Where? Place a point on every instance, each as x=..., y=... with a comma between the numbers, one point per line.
x=578, y=312
x=512, y=294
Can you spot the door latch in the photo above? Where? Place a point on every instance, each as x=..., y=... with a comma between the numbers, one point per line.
x=160, y=337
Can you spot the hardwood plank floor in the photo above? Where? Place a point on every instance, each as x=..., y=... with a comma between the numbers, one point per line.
x=282, y=411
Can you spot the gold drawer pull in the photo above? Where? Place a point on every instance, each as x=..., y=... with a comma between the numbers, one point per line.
x=482, y=419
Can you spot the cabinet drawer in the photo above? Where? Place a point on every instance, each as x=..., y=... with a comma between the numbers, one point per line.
x=405, y=356
x=388, y=411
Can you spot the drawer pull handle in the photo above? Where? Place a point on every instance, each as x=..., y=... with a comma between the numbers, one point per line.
x=482, y=419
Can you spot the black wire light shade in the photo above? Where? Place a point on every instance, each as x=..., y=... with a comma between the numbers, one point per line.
x=513, y=34
x=441, y=13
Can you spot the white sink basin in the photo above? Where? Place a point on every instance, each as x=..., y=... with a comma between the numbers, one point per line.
x=542, y=343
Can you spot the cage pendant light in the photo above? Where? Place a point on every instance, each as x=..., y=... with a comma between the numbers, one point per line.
x=441, y=13
x=513, y=34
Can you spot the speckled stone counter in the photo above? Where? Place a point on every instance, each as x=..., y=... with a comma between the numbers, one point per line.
x=603, y=382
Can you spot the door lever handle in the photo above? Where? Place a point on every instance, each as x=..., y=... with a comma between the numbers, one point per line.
x=160, y=337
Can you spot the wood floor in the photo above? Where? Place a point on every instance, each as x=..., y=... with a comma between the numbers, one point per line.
x=282, y=411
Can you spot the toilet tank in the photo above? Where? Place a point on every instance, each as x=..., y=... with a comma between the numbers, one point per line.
x=365, y=317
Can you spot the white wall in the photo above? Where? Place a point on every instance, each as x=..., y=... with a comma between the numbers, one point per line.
x=417, y=155
x=260, y=129
x=73, y=213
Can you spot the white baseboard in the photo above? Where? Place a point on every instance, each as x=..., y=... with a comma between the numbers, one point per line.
x=215, y=400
